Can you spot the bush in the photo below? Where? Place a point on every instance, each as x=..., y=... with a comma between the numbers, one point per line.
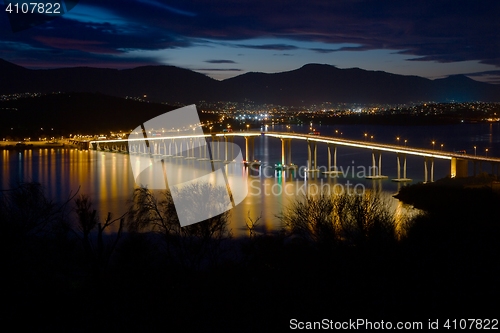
x=348, y=219
x=193, y=246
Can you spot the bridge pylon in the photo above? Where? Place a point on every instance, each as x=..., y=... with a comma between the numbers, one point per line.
x=312, y=156
x=404, y=178
x=249, y=148
x=426, y=171
x=229, y=152
x=375, y=172
x=332, y=170
x=286, y=151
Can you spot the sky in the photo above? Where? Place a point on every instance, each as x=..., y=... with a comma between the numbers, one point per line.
x=226, y=38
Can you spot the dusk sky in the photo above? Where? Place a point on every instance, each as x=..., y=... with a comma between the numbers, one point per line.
x=228, y=38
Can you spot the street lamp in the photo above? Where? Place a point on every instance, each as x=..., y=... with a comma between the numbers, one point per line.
x=442, y=146
x=433, y=143
x=211, y=129
x=371, y=137
x=397, y=138
x=475, y=151
x=248, y=127
x=406, y=142
x=366, y=135
x=486, y=152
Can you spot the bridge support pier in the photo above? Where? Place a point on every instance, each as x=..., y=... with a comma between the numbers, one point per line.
x=312, y=156
x=190, y=149
x=459, y=168
x=329, y=170
x=203, y=147
x=426, y=169
x=249, y=146
x=166, y=151
x=401, y=179
x=376, y=173
x=286, y=151
x=170, y=151
x=229, y=153
x=215, y=149
x=177, y=149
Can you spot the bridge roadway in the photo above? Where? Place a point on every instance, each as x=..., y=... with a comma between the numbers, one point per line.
x=458, y=162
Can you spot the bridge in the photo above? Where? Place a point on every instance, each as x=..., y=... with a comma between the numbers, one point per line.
x=172, y=146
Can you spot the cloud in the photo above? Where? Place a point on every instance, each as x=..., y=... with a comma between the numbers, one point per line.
x=484, y=73
x=321, y=50
x=486, y=76
x=220, y=61
x=168, y=8
x=275, y=47
x=443, y=31
x=91, y=46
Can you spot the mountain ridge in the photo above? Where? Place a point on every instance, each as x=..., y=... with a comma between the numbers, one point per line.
x=310, y=84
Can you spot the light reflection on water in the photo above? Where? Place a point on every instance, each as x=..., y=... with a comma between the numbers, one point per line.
x=107, y=178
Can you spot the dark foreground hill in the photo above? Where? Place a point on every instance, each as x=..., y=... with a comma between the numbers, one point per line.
x=312, y=83
x=75, y=112
x=441, y=268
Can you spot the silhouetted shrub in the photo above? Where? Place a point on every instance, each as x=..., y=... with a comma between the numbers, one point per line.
x=97, y=251
x=25, y=210
x=193, y=246
x=348, y=218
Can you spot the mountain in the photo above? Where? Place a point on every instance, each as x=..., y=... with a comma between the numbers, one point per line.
x=312, y=83
x=75, y=113
x=463, y=88
x=315, y=83
x=159, y=83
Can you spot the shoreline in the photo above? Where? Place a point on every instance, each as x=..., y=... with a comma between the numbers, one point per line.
x=23, y=145
x=453, y=193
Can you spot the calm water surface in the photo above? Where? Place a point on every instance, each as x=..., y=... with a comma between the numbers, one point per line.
x=107, y=177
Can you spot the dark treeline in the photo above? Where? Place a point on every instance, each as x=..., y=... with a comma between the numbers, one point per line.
x=342, y=257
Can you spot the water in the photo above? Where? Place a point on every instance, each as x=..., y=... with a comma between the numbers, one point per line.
x=107, y=177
